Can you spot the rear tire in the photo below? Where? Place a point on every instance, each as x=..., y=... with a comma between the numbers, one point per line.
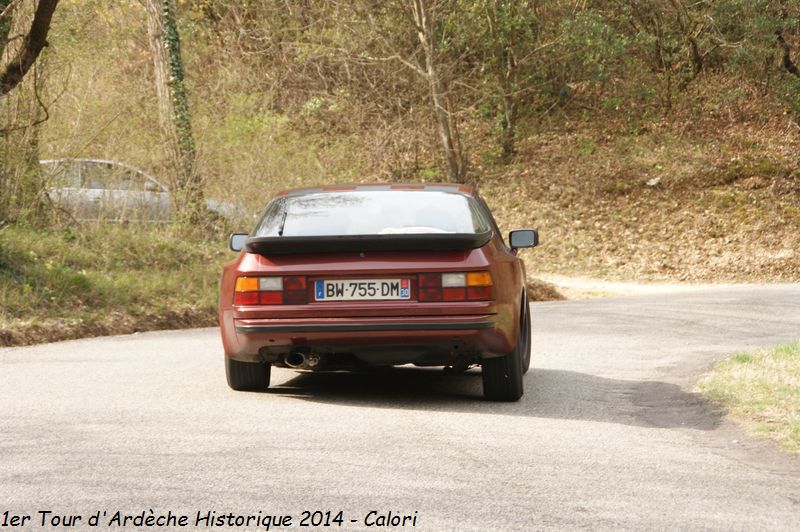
x=502, y=376
x=247, y=376
x=526, y=332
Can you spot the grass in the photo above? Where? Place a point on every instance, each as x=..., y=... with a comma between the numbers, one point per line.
x=65, y=283
x=761, y=390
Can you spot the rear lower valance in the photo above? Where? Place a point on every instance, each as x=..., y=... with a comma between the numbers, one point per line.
x=365, y=327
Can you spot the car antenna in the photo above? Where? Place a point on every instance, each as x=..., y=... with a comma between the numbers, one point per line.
x=283, y=223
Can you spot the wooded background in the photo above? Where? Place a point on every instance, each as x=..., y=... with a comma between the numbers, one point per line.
x=238, y=98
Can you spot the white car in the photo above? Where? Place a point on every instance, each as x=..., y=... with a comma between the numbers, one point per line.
x=98, y=189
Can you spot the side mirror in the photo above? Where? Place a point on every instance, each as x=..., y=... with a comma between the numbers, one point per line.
x=523, y=238
x=237, y=241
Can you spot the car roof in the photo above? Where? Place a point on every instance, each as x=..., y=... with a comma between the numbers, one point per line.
x=101, y=161
x=440, y=187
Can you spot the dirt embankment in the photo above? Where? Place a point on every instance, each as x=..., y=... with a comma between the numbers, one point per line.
x=34, y=331
x=709, y=200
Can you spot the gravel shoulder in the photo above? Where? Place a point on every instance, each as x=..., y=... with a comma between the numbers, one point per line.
x=576, y=287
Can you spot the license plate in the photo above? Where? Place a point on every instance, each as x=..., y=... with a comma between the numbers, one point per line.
x=362, y=289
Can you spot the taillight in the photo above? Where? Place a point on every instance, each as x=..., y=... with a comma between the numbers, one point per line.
x=460, y=286
x=294, y=291
x=429, y=287
x=290, y=290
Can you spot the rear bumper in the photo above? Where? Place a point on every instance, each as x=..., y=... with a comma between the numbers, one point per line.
x=256, y=339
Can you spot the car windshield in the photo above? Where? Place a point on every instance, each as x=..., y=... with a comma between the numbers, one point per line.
x=379, y=212
x=106, y=175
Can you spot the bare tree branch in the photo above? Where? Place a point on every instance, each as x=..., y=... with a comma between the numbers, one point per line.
x=41, y=104
x=10, y=5
x=35, y=41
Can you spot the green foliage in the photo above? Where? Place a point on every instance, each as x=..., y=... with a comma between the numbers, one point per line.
x=431, y=173
x=612, y=103
x=250, y=152
x=790, y=90
x=593, y=45
x=128, y=269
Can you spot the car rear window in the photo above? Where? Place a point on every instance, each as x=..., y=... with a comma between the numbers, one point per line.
x=381, y=212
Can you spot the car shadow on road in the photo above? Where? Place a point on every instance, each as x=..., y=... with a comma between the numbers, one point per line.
x=549, y=393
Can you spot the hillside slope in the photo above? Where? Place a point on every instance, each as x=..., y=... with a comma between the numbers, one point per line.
x=713, y=199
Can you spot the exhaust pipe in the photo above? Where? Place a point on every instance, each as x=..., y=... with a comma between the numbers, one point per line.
x=295, y=359
x=302, y=359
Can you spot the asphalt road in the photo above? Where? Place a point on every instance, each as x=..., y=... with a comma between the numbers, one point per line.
x=608, y=434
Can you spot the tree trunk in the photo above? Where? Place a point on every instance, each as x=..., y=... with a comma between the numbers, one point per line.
x=22, y=183
x=32, y=45
x=509, y=126
x=506, y=76
x=508, y=84
x=173, y=106
x=451, y=149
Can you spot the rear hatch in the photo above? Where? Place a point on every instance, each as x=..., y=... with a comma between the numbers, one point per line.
x=363, y=250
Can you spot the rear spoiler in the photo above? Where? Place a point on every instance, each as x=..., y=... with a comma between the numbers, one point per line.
x=285, y=245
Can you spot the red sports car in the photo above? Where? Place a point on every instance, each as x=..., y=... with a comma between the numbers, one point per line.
x=341, y=277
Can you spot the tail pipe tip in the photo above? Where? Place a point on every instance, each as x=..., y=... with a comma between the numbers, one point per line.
x=300, y=359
